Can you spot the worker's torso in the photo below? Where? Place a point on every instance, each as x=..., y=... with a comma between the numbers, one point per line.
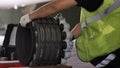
x=101, y=36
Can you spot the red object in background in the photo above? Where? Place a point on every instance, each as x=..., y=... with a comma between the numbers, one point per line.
x=6, y=64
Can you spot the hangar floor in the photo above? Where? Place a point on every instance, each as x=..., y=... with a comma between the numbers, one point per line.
x=76, y=63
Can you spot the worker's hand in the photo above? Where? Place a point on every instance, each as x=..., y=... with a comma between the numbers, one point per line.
x=24, y=20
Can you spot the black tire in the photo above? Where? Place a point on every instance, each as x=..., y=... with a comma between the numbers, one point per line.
x=24, y=47
x=40, y=43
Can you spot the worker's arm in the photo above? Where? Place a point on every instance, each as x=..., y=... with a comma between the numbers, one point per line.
x=47, y=9
x=76, y=31
x=52, y=7
x=57, y=5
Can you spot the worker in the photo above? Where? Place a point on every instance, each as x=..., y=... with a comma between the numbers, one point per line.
x=97, y=34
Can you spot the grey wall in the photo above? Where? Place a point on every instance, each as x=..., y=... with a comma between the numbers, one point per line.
x=10, y=16
x=72, y=15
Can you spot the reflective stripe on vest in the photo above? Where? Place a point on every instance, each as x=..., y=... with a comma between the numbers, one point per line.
x=106, y=61
x=102, y=14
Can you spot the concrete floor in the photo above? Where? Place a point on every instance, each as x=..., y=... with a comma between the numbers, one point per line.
x=75, y=62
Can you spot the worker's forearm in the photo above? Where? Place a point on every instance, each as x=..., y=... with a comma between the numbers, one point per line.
x=52, y=7
x=76, y=31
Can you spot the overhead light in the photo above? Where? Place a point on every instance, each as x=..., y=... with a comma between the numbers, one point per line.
x=15, y=7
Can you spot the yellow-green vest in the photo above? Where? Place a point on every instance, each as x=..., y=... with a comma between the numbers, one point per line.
x=100, y=37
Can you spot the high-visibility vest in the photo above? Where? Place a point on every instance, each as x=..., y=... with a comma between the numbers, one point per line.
x=102, y=35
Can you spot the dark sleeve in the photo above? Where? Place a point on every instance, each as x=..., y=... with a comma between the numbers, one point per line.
x=90, y=5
